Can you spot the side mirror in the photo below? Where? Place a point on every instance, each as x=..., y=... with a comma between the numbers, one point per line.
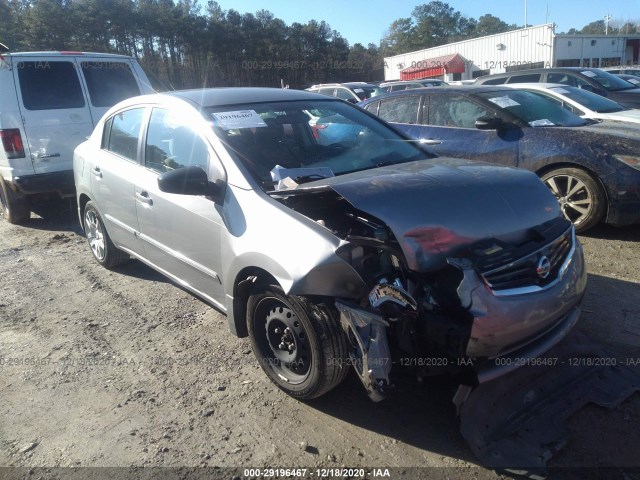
x=188, y=181
x=489, y=123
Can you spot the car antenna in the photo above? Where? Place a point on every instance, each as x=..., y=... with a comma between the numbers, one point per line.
x=3, y=48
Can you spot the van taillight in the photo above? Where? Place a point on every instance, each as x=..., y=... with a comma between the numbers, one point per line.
x=12, y=142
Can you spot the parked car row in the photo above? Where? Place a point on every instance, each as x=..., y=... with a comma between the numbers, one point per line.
x=336, y=237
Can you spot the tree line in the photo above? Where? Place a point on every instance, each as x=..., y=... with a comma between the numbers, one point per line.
x=188, y=45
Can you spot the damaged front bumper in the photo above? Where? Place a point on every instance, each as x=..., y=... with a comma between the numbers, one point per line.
x=506, y=329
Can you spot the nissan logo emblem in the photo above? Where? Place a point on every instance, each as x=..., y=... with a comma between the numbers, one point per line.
x=544, y=267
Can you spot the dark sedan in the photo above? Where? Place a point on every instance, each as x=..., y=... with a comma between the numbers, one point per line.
x=593, y=168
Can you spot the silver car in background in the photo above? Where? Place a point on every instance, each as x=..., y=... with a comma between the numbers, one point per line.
x=367, y=252
x=583, y=103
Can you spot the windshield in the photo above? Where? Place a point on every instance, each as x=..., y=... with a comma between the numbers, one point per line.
x=608, y=81
x=533, y=109
x=594, y=102
x=308, y=140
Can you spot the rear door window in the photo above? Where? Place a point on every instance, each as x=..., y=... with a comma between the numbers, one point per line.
x=109, y=82
x=402, y=109
x=123, y=132
x=344, y=94
x=49, y=85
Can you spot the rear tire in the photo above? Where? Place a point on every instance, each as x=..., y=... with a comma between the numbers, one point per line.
x=298, y=344
x=15, y=205
x=102, y=248
x=582, y=199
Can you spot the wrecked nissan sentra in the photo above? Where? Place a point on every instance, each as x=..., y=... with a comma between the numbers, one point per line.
x=329, y=238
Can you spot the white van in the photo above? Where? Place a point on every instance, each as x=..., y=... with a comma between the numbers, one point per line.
x=49, y=104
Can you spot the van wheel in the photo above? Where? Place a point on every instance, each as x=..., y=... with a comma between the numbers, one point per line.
x=15, y=205
x=298, y=344
x=103, y=249
x=581, y=197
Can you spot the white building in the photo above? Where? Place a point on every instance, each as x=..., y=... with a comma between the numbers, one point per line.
x=531, y=47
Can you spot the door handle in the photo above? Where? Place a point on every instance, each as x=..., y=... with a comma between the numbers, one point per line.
x=144, y=197
x=430, y=141
x=96, y=171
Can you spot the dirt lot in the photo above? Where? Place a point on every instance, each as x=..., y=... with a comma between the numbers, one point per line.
x=124, y=369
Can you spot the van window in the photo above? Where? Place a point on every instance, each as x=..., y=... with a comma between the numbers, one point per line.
x=109, y=82
x=124, y=133
x=49, y=85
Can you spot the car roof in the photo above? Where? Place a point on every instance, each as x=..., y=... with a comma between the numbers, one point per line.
x=211, y=97
x=539, y=70
x=449, y=89
x=64, y=54
x=537, y=85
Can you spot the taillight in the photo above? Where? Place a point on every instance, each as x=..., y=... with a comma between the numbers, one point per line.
x=12, y=142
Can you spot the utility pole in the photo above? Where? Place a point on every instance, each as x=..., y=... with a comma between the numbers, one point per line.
x=607, y=19
x=525, y=14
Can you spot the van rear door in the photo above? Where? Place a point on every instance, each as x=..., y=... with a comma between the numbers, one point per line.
x=54, y=112
x=108, y=80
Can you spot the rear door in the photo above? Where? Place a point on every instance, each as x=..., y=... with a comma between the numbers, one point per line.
x=107, y=80
x=54, y=111
x=113, y=172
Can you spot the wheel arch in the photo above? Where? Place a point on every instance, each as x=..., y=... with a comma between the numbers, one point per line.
x=83, y=199
x=248, y=281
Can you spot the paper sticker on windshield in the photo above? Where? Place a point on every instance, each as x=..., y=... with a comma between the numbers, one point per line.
x=543, y=122
x=589, y=73
x=560, y=90
x=358, y=90
x=504, y=102
x=238, y=119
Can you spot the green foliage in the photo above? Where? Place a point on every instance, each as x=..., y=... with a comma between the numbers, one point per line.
x=188, y=46
x=437, y=23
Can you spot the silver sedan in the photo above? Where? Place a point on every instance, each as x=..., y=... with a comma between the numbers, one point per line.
x=366, y=251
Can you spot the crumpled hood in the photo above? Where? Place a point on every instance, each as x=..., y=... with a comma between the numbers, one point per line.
x=433, y=206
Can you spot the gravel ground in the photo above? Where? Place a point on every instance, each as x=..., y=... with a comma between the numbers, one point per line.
x=124, y=369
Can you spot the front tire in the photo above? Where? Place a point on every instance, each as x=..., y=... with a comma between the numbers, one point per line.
x=102, y=248
x=582, y=199
x=15, y=205
x=298, y=344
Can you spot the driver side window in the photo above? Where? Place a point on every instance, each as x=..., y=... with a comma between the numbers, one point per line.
x=170, y=144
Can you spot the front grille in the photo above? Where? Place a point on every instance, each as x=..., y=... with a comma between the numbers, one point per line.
x=537, y=269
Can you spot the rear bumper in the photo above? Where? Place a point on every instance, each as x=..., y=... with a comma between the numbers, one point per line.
x=59, y=182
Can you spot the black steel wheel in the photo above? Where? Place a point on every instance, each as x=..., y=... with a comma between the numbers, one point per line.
x=298, y=344
x=582, y=199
